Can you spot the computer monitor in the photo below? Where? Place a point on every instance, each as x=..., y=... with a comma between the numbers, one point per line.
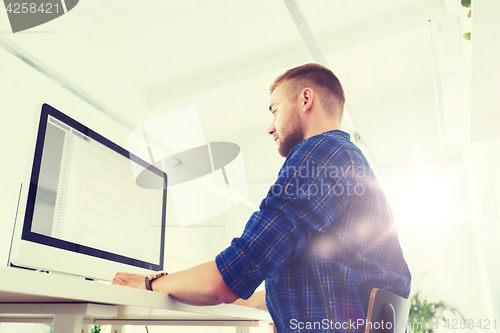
x=81, y=210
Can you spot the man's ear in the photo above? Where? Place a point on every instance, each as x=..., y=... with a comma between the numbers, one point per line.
x=307, y=99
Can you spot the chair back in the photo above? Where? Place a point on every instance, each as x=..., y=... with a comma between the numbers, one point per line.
x=387, y=312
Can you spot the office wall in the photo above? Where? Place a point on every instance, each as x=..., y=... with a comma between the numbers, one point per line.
x=438, y=232
x=482, y=165
x=482, y=157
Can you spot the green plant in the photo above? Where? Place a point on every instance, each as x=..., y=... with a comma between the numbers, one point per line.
x=467, y=4
x=424, y=313
x=96, y=329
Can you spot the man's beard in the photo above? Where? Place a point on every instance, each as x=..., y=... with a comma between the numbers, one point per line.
x=292, y=137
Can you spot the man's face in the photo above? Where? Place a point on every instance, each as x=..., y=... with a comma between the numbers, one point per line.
x=286, y=128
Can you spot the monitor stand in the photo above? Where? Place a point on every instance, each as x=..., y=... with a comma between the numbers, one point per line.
x=14, y=227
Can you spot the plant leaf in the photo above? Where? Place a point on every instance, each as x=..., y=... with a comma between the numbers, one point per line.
x=467, y=35
x=469, y=14
x=466, y=3
x=423, y=312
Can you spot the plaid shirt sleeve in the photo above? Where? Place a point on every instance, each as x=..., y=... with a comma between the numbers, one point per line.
x=306, y=198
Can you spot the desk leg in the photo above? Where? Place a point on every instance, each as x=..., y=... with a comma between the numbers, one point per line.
x=115, y=329
x=238, y=329
x=67, y=323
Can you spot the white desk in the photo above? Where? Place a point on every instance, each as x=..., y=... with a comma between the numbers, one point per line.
x=73, y=304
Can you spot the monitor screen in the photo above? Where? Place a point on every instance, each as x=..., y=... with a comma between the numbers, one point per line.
x=83, y=197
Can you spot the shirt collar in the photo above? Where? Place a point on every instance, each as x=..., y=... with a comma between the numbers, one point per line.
x=343, y=134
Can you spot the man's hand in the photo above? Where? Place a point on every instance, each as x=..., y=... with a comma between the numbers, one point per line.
x=130, y=280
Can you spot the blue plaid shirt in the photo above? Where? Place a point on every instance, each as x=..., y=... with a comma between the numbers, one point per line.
x=323, y=238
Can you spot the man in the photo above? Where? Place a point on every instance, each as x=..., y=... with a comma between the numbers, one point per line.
x=324, y=236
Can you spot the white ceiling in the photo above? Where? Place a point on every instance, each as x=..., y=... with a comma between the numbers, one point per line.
x=399, y=61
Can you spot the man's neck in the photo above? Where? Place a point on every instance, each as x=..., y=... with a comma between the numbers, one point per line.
x=316, y=130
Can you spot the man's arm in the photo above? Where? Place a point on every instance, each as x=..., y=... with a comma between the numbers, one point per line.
x=200, y=285
x=257, y=300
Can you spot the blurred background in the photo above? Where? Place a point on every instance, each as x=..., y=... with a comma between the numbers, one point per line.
x=419, y=103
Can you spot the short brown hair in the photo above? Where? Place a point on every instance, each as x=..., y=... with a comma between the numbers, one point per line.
x=317, y=77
